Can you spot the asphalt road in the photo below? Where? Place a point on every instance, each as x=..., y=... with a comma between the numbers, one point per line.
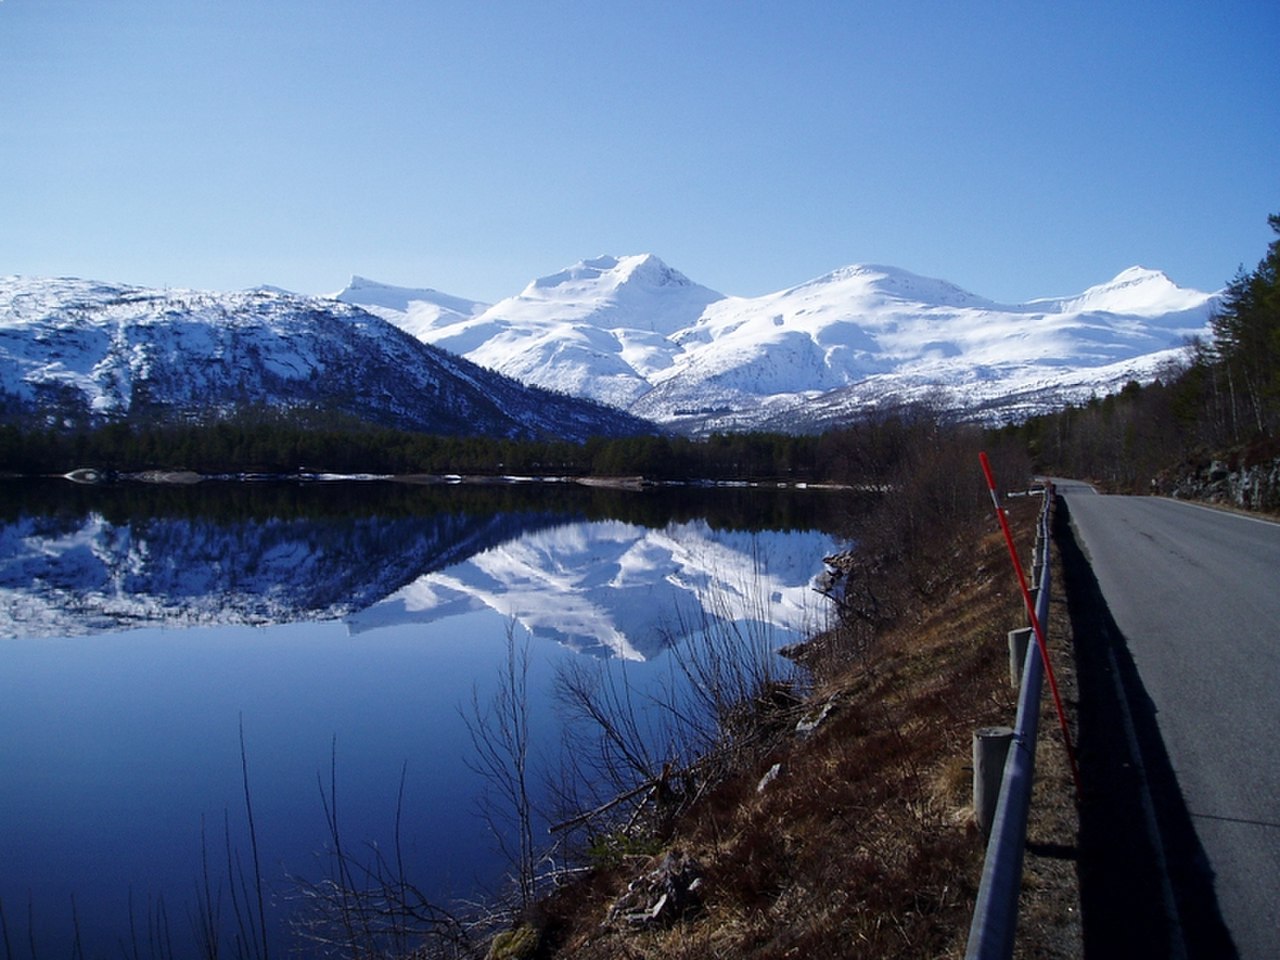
x=1195, y=593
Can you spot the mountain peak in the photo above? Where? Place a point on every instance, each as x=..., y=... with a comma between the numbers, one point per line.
x=607, y=292
x=358, y=282
x=373, y=293
x=358, y=287
x=894, y=283
x=1139, y=274
x=1140, y=291
x=607, y=272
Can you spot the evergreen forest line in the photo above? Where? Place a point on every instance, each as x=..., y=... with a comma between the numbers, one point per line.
x=273, y=445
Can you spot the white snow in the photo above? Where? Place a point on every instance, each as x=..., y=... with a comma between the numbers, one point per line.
x=418, y=311
x=633, y=332
x=598, y=329
x=75, y=347
x=1135, y=292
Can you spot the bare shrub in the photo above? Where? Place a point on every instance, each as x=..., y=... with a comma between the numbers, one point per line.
x=365, y=906
x=910, y=547
x=499, y=732
x=635, y=759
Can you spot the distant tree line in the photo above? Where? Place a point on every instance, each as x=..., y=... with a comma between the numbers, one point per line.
x=274, y=444
x=869, y=452
x=1221, y=400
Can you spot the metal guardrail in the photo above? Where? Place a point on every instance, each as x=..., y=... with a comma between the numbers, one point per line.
x=995, y=914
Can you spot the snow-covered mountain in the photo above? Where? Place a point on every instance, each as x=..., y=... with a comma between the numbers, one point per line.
x=633, y=332
x=76, y=350
x=629, y=332
x=868, y=335
x=417, y=312
x=600, y=328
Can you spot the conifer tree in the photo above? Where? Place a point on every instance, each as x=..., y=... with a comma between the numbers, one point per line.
x=1246, y=335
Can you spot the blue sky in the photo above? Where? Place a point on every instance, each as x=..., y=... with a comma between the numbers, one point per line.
x=1019, y=149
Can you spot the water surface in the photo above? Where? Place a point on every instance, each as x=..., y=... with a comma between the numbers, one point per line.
x=344, y=629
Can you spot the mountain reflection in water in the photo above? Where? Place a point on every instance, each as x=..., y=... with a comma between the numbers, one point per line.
x=597, y=570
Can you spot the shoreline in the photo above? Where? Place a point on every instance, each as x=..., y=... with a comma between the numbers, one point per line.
x=92, y=476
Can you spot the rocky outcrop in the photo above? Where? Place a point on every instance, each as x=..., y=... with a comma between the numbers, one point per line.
x=1249, y=486
x=670, y=889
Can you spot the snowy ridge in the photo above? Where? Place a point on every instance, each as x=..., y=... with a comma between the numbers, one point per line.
x=1137, y=292
x=78, y=351
x=597, y=329
x=635, y=333
x=630, y=332
x=417, y=312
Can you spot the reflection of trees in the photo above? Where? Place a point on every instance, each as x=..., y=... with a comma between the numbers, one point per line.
x=741, y=508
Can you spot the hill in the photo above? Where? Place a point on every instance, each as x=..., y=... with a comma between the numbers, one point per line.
x=82, y=352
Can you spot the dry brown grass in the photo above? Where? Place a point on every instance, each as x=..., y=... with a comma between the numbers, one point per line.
x=864, y=845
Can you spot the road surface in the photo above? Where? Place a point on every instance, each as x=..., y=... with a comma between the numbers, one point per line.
x=1195, y=594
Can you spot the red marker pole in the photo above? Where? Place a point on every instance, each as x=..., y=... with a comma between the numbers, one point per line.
x=1035, y=620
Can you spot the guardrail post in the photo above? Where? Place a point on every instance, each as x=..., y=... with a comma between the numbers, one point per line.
x=990, y=750
x=1019, y=640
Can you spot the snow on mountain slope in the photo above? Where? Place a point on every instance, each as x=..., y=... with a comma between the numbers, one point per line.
x=636, y=292
x=600, y=328
x=884, y=333
x=1137, y=292
x=626, y=331
x=416, y=311
x=635, y=333
x=995, y=400
x=79, y=350
x=597, y=329
x=864, y=321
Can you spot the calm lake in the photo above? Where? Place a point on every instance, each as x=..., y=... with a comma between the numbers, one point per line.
x=344, y=632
